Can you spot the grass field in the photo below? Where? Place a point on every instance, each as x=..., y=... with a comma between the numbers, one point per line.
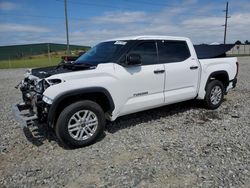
x=26, y=50
x=29, y=63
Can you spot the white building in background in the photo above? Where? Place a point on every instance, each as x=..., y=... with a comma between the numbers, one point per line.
x=241, y=49
x=215, y=43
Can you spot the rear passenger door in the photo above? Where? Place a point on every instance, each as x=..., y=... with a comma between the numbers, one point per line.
x=182, y=71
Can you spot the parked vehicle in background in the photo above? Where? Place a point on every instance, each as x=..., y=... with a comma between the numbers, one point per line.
x=119, y=77
x=71, y=58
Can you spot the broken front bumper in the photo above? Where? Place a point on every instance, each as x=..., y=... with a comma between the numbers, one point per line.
x=23, y=115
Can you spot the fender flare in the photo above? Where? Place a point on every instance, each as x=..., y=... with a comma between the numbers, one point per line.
x=216, y=73
x=71, y=93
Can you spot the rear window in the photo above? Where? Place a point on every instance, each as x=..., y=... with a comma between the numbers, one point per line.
x=173, y=51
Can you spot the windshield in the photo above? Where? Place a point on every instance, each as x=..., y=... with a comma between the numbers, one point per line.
x=101, y=53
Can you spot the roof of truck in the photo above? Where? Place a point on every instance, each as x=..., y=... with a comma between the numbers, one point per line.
x=149, y=37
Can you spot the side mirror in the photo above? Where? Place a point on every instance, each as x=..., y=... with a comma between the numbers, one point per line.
x=134, y=59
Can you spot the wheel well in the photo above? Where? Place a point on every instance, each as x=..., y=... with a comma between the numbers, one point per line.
x=98, y=97
x=221, y=76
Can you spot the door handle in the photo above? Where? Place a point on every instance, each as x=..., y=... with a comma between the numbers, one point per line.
x=159, y=71
x=194, y=67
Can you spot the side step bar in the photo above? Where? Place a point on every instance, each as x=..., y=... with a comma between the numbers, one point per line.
x=25, y=119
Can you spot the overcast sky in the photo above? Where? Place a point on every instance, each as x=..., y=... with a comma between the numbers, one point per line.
x=39, y=21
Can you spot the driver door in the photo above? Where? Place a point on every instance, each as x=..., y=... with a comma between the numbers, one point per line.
x=143, y=84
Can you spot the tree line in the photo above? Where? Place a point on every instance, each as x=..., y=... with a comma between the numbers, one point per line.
x=239, y=42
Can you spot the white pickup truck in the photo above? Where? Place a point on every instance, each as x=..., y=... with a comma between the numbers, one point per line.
x=119, y=77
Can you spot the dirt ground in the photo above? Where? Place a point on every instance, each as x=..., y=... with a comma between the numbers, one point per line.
x=181, y=145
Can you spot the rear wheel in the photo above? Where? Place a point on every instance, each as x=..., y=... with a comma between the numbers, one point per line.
x=80, y=124
x=214, y=94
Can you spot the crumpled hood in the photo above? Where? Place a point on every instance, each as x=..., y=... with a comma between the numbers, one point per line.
x=101, y=76
x=64, y=74
x=45, y=72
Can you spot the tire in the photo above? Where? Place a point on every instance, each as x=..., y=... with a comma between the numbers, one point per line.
x=80, y=124
x=214, y=94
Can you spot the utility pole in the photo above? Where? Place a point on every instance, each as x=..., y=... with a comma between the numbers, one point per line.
x=49, y=53
x=66, y=24
x=225, y=31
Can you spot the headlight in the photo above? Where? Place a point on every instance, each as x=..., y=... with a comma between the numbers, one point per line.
x=47, y=100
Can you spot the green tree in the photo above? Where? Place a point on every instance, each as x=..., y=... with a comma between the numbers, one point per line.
x=238, y=42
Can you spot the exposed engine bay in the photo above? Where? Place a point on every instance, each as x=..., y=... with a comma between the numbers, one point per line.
x=32, y=89
x=36, y=106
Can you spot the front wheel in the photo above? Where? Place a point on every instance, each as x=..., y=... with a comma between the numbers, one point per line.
x=80, y=124
x=214, y=94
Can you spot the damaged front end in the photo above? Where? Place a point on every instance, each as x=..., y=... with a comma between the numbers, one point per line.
x=35, y=105
x=33, y=108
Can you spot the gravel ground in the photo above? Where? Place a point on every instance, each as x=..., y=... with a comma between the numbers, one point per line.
x=181, y=145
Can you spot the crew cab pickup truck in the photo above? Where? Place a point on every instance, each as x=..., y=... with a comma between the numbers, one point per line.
x=119, y=77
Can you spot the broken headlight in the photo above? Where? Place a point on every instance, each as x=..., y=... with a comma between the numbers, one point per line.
x=39, y=87
x=49, y=82
x=54, y=81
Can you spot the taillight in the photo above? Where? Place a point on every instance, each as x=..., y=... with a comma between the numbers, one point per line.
x=237, y=69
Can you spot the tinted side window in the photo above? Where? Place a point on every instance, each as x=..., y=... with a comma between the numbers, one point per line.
x=147, y=51
x=173, y=51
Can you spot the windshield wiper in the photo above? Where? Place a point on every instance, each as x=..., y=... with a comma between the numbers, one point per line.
x=73, y=66
x=60, y=64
